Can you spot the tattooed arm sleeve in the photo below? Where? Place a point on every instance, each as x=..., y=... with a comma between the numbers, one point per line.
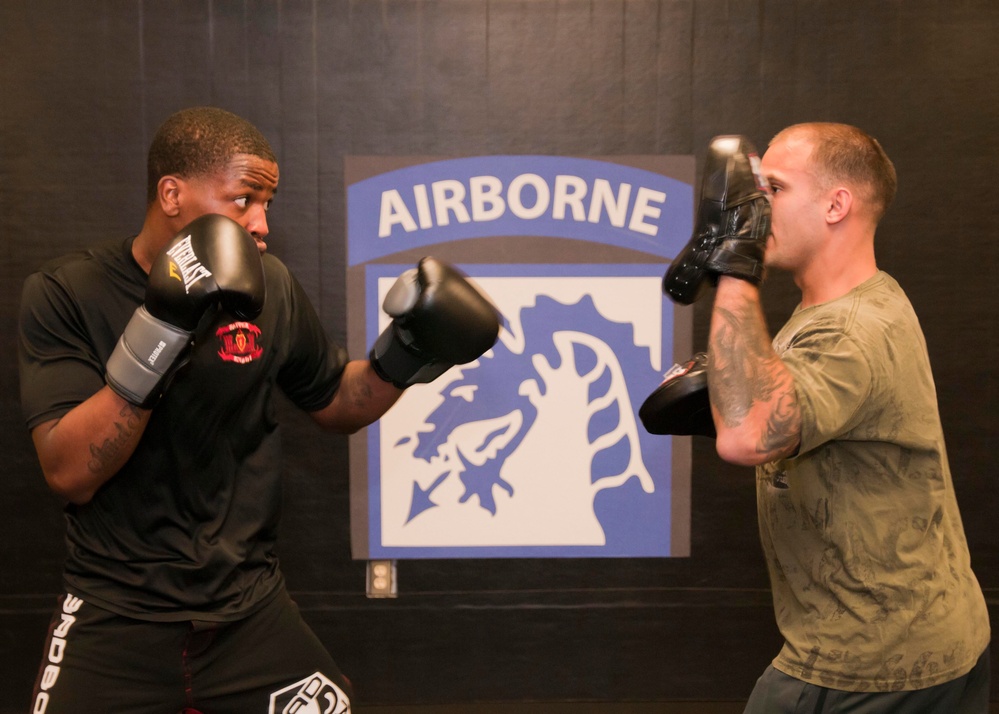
x=753, y=398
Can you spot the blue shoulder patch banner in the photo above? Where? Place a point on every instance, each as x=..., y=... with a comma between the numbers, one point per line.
x=487, y=196
x=535, y=449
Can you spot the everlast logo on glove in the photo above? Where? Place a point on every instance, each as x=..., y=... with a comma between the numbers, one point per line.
x=159, y=335
x=186, y=262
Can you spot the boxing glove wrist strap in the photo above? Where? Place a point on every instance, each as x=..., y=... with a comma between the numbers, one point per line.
x=403, y=367
x=144, y=355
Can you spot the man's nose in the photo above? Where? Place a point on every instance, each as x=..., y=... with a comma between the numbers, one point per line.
x=256, y=224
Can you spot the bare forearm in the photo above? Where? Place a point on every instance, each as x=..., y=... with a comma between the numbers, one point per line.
x=361, y=399
x=752, y=392
x=85, y=448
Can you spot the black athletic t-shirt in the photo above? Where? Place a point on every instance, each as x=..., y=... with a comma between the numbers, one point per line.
x=187, y=528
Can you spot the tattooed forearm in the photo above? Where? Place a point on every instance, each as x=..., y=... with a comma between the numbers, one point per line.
x=106, y=455
x=361, y=398
x=740, y=365
x=747, y=380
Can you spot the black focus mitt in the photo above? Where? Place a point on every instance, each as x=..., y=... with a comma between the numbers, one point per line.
x=731, y=226
x=680, y=405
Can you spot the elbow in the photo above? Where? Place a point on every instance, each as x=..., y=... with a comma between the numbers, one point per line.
x=745, y=447
x=734, y=447
x=333, y=422
x=67, y=483
x=353, y=426
x=346, y=429
x=68, y=488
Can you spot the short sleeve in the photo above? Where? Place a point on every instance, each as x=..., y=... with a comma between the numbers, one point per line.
x=832, y=380
x=311, y=373
x=58, y=363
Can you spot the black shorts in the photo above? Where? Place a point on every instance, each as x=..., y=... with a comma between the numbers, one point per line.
x=778, y=693
x=96, y=662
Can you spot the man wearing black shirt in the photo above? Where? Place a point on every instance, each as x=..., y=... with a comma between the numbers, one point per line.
x=169, y=458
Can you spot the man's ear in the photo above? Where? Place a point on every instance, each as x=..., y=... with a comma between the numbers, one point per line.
x=840, y=203
x=168, y=194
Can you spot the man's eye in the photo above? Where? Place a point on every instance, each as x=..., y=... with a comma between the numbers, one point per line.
x=242, y=201
x=267, y=206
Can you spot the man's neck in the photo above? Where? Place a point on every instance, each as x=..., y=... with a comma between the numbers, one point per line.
x=827, y=280
x=155, y=234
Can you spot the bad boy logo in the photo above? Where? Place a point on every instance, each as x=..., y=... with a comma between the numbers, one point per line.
x=535, y=449
x=312, y=695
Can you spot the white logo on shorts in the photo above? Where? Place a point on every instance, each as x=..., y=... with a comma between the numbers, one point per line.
x=312, y=695
x=56, y=653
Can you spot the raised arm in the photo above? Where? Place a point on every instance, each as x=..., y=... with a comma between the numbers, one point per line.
x=213, y=261
x=362, y=398
x=439, y=319
x=752, y=393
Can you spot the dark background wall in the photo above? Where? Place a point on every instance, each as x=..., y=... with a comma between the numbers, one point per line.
x=84, y=85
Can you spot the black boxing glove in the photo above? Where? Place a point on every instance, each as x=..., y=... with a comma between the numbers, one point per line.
x=680, y=404
x=212, y=262
x=732, y=224
x=439, y=320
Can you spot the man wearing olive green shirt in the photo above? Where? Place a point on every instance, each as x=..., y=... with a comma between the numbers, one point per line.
x=869, y=566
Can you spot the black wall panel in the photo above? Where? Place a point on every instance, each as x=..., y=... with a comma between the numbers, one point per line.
x=84, y=85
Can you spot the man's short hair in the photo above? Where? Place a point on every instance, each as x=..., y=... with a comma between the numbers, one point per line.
x=844, y=153
x=198, y=142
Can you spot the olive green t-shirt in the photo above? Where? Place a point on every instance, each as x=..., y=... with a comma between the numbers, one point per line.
x=872, y=582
